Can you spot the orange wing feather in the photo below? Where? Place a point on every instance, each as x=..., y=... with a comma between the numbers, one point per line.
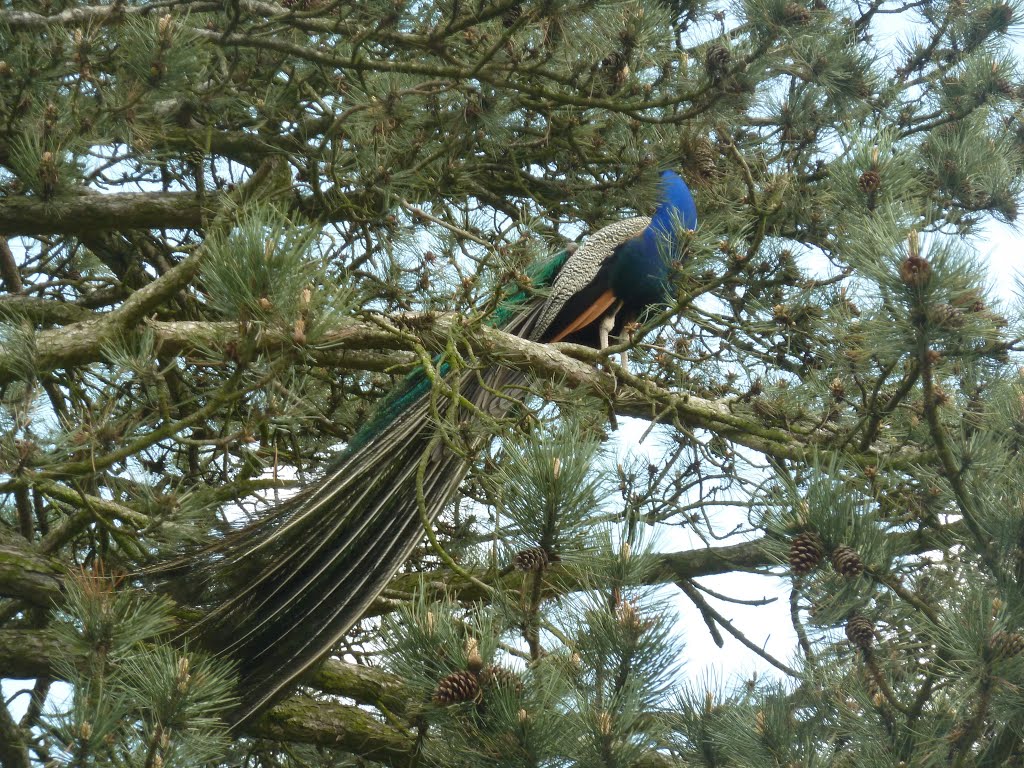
x=596, y=310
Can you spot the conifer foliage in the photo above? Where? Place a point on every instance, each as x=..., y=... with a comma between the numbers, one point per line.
x=229, y=230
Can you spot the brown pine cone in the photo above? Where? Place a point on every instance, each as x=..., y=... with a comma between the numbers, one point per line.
x=1005, y=645
x=805, y=553
x=511, y=16
x=870, y=182
x=494, y=676
x=946, y=317
x=456, y=688
x=704, y=157
x=796, y=14
x=860, y=632
x=533, y=559
x=915, y=271
x=717, y=59
x=847, y=562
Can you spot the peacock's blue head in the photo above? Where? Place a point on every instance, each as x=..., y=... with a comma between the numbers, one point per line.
x=676, y=212
x=676, y=207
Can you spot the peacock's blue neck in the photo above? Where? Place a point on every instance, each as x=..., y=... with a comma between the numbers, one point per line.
x=641, y=269
x=639, y=273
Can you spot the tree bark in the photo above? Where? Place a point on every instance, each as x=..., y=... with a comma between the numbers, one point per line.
x=68, y=215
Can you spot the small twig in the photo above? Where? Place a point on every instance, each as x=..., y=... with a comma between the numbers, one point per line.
x=420, y=213
x=726, y=598
x=707, y=611
x=883, y=684
x=952, y=470
x=892, y=583
x=798, y=626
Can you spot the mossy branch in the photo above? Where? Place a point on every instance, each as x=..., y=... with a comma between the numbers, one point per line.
x=629, y=395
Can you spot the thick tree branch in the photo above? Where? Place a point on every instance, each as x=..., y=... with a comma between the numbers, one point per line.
x=13, y=749
x=364, y=685
x=630, y=395
x=328, y=724
x=43, y=311
x=96, y=213
x=30, y=653
x=27, y=653
x=28, y=576
x=9, y=268
x=96, y=14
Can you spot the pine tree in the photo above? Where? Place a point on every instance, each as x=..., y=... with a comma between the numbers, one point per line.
x=228, y=231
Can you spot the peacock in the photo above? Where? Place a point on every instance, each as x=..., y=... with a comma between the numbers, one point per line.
x=307, y=571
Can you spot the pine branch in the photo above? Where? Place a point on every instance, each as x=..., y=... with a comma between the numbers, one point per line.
x=9, y=268
x=43, y=311
x=364, y=685
x=629, y=395
x=504, y=77
x=27, y=653
x=28, y=576
x=91, y=212
x=96, y=14
x=30, y=653
x=303, y=720
x=13, y=749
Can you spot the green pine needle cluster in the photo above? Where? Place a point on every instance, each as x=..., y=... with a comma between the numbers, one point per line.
x=519, y=681
x=136, y=699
